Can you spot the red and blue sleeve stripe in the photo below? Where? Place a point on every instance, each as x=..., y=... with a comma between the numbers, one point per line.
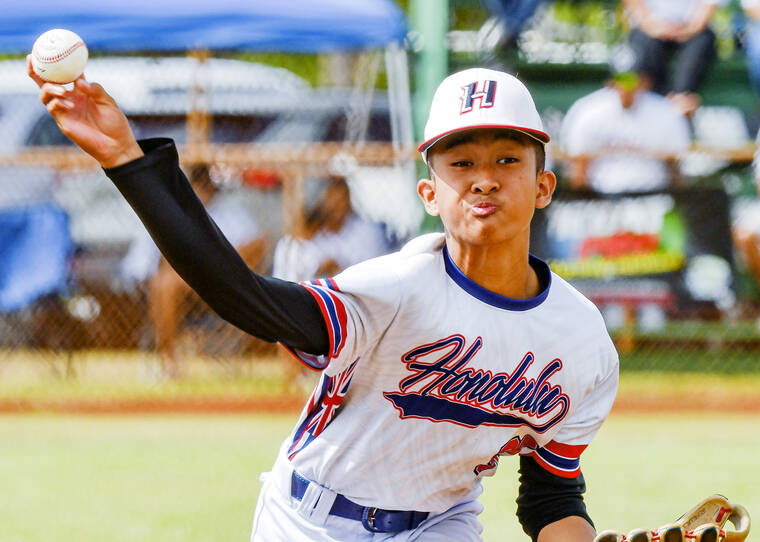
x=333, y=311
x=560, y=459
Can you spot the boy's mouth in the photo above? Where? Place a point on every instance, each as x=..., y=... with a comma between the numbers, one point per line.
x=483, y=209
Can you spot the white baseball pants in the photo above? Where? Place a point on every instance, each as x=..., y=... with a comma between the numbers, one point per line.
x=281, y=518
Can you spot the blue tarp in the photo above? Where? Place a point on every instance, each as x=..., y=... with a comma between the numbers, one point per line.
x=308, y=26
x=35, y=249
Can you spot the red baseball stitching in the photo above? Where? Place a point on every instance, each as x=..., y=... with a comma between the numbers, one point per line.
x=59, y=56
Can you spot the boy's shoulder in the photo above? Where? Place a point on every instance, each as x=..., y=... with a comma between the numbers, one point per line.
x=579, y=320
x=569, y=301
x=412, y=259
x=427, y=243
x=418, y=251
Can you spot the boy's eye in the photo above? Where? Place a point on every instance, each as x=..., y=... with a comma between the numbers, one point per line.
x=508, y=160
x=461, y=163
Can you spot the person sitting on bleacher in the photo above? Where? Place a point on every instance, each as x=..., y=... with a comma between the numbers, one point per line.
x=664, y=29
x=333, y=236
x=623, y=137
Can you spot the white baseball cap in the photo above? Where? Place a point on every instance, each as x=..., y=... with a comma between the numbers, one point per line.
x=481, y=98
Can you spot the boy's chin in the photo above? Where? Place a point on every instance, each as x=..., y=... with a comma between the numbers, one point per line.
x=482, y=236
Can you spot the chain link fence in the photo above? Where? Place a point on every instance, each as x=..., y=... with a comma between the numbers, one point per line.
x=88, y=309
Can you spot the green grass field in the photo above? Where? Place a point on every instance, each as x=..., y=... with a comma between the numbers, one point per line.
x=195, y=478
x=43, y=378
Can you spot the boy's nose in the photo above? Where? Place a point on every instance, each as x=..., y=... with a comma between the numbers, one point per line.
x=485, y=184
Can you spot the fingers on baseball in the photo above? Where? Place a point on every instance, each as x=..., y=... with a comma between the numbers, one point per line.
x=30, y=70
x=83, y=85
x=55, y=97
x=57, y=105
x=51, y=91
x=93, y=90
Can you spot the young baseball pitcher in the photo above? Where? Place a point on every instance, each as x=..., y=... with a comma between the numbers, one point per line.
x=436, y=360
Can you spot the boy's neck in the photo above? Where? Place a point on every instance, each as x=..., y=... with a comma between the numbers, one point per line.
x=502, y=269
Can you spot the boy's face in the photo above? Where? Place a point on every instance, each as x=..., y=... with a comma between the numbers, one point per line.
x=484, y=186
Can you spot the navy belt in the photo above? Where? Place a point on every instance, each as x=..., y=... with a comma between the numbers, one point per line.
x=375, y=520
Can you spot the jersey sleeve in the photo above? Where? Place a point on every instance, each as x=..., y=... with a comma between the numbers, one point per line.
x=358, y=305
x=561, y=456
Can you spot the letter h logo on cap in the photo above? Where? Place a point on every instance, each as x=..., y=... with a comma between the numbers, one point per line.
x=471, y=93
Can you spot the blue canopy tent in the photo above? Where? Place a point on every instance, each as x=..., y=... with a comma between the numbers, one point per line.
x=302, y=26
x=296, y=26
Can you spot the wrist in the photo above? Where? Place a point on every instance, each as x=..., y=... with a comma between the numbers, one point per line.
x=121, y=156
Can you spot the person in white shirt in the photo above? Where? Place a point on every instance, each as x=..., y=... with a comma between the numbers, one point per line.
x=333, y=237
x=624, y=137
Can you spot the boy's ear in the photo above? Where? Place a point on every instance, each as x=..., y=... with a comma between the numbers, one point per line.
x=546, y=182
x=426, y=191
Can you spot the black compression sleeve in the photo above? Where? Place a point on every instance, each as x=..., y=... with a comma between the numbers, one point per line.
x=545, y=497
x=268, y=308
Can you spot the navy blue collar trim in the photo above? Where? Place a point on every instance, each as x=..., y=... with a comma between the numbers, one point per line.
x=487, y=296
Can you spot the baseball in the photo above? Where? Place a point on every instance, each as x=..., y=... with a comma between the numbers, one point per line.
x=59, y=56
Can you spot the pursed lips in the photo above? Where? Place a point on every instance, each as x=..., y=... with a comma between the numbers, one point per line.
x=483, y=208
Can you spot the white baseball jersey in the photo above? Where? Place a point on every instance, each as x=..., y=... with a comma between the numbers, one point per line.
x=431, y=378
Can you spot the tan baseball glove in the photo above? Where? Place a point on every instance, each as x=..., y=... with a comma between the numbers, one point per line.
x=703, y=523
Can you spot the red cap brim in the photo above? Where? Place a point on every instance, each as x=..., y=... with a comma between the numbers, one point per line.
x=538, y=135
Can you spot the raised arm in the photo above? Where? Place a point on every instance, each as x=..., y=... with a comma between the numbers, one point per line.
x=148, y=176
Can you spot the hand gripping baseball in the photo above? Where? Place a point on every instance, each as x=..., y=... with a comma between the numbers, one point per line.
x=703, y=523
x=91, y=119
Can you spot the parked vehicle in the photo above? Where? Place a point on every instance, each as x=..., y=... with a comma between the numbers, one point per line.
x=246, y=102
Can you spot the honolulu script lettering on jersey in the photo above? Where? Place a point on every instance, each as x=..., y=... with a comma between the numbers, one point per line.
x=443, y=388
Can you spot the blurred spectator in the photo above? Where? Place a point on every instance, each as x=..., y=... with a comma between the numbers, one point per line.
x=664, y=29
x=512, y=15
x=169, y=297
x=333, y=236
x=623, y=137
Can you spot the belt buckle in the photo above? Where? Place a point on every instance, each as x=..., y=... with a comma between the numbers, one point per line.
x=368, y=519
